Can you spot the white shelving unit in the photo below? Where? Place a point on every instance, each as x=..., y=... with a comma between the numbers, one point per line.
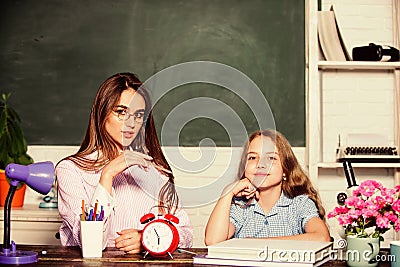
x=314, y=77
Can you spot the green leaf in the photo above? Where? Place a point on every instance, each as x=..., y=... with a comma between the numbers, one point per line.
x=13, y=146
x=3, y=122
x=13, y=115
x=25, y=159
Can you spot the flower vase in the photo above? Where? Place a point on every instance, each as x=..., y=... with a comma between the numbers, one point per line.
x=361, y=252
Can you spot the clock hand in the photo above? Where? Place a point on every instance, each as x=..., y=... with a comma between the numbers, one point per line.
x=158, y=237
x=156, y=233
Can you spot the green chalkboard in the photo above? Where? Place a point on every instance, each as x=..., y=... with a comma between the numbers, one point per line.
x=55, y=53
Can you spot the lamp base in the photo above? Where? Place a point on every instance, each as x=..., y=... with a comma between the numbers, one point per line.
x=18, y=257
x=48, y=205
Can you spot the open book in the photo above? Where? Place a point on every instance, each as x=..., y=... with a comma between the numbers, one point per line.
x=330, y=39
x=261, y=252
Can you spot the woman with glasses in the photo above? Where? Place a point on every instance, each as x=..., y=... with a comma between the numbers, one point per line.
x=273, y=197
x=120, y=169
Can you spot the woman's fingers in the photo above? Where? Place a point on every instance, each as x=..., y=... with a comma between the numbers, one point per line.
x=137, y=158
x=128, y=247
x=139, y=155
x=128, y=241
x=133, y=250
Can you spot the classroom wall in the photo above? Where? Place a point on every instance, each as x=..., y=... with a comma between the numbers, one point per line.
x=361, y=21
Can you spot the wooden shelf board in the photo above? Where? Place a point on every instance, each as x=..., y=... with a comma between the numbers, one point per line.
x=328, y=165
x=361, y=65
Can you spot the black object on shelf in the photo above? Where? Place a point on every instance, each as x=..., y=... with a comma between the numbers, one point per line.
x=373, y=52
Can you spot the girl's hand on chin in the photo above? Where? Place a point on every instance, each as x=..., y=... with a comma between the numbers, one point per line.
x=244, y=188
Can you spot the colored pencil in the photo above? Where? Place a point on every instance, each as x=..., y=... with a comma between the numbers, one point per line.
x=95, y=211
x=83, y=211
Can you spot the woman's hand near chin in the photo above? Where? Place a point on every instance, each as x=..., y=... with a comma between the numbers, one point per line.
x=120, y=163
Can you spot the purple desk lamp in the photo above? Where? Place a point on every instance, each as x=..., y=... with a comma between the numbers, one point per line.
x=39, y=177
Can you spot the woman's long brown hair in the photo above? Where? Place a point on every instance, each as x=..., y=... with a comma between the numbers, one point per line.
x=97, y=138
x=297, y=182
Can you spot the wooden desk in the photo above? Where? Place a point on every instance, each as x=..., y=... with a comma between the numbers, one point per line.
x=71, y=256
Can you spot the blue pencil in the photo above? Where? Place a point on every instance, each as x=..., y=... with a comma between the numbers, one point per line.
x=90, y=215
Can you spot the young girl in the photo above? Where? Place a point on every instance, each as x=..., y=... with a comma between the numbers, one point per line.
x=120, y=165
x=273, y=198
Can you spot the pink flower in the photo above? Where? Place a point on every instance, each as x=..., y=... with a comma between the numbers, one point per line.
x=370, y=206
x=344, y=220
x=337, y=211
x=397, y=226
x=397, y=188
x=369, y=213
x=354, y=213
x=367, y=188
x=396, y=205
x=382, y=222
x=351, y=201
x=390, y=216
x=331, y=214
x=370, y=209
x=379, y=202
x=388, y=194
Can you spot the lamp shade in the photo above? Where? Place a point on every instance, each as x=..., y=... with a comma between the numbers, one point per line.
x=38, y=176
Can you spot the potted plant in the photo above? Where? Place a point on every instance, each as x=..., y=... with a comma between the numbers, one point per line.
x=13, y=149
x=367, y=214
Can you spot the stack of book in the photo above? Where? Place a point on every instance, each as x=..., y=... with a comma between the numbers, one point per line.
x=261, y=252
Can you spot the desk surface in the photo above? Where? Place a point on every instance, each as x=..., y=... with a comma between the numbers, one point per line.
x=71, y=256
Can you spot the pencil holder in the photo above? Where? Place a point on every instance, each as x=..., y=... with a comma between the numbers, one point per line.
x=92, y=239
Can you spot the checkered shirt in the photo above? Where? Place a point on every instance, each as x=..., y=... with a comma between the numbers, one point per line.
x=287, y=217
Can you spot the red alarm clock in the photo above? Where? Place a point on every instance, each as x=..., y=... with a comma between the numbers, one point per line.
x=160, y=238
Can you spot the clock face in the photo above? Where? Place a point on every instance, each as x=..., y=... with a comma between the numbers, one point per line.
x=157, y=237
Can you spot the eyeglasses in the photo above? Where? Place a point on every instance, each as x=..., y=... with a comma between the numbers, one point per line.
x=123, y=115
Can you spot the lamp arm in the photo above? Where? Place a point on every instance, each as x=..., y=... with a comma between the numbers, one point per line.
x=7, y=216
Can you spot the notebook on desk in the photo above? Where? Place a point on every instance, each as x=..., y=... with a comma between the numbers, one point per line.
x=261, y=252
x=204, y=259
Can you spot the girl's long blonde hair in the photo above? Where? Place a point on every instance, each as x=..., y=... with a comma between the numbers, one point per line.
x=297, y=181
